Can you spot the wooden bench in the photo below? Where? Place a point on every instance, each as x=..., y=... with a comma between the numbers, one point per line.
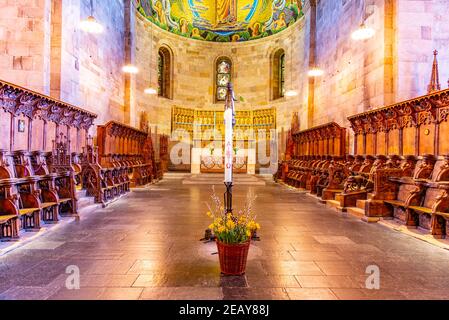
x=359, y=184
x=333, y=178
x=317, y=172
x=417, y=191
x=9, y=213
x=432, y=212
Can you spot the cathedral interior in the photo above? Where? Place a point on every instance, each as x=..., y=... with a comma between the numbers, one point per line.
x=120, y=119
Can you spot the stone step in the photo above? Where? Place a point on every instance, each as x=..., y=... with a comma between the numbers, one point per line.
x=80, y=193
x=208, y=179
x=361, y=204
x=334, y=204
x=356, y=212
x=360, y=213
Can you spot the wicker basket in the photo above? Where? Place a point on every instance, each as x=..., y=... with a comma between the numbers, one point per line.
x=233, y=258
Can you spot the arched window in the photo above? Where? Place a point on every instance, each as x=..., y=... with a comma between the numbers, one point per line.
x=223, y=77
x=278, y=74
x=164, y=66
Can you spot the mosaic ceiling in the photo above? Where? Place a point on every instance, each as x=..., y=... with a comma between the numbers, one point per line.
x=222, y=20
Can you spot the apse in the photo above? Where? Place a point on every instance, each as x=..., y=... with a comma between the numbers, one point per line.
x=222, y=20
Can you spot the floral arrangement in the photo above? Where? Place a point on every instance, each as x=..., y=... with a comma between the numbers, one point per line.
x=230, y=228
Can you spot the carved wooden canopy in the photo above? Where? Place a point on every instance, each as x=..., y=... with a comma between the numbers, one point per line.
x=20, y=101
x=117, y=129
x=323, y=132
x=431, y=108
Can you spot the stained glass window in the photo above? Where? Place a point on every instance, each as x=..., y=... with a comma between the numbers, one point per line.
x=278, y=74
x=160, y=74
x=223, y=70
x=282, y=75
x=164, y=72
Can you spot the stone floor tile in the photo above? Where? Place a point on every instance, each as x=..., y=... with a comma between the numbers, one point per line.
x=310, y=294
x=181, y=293
x=327, y=282
x=146, y=246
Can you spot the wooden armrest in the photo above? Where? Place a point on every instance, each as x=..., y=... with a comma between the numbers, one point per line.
x=421, y=209
x=4, y=219
x=47, y=204
x=396, y=203
x=443, y=214
x=26, y=211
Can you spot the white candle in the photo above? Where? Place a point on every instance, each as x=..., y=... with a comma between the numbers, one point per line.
x=228, y=144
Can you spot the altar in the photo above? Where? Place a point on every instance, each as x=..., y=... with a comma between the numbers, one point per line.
x=203, y=161
x=203, y=132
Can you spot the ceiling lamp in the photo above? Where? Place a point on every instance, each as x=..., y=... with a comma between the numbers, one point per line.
x=91, y=25
x=150, y=91
x=291, y=93
x=363, y=33
x=315, y=72
x=129, y=68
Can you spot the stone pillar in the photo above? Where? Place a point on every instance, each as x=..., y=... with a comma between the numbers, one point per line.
x=312, y=62
x=56, y=49
x=130, y=116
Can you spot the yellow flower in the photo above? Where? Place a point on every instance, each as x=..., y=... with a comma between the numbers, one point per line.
x=212, y=226
x=230, y=224
x=248, y=233
x=252, y=225
x=209, y=214
x=221, y=229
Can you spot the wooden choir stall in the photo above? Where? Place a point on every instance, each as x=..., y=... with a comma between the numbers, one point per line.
x=38, y=171
x=123, y=158
x=399, y=168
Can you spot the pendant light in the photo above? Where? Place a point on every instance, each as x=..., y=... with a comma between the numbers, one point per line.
x=91, y=25
x=363, y=32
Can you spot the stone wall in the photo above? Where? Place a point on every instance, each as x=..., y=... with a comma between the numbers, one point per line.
x=358, y=74
x=25, y=43
x=42, y=48
x=421, y=27
x=91, y=65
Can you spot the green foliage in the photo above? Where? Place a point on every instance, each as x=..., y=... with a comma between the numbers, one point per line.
x=245, y=35
x=294, y=8
x=210, y=36
x=222, y=39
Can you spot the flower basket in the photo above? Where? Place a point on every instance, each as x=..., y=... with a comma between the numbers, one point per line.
x=233, y=258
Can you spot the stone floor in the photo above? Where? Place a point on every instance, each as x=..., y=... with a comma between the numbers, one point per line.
x=146, y=246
